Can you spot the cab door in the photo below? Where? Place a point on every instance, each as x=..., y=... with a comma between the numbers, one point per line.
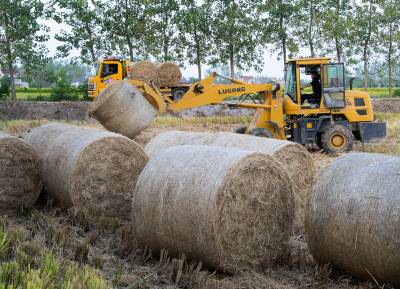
x=333, y=86
x=109, y=71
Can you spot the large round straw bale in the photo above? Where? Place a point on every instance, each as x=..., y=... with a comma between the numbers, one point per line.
x=170, y=74
x=229, y=208
x=20, y=181
x=123, y=109
x=91, y=169
x=145, y=71
x=296, y=160
x=353, y=216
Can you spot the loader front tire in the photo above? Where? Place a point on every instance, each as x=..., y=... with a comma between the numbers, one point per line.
x=337, y=139
x=261, y=132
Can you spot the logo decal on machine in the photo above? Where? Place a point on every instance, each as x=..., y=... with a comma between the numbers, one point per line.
x=232, y=90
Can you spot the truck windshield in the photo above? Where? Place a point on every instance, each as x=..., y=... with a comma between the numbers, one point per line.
x=290, y=81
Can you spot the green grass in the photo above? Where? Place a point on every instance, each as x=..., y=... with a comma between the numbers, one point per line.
x=25, y=265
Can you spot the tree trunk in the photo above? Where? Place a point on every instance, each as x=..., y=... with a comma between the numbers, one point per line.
x=199, y=70
x=338, y=50
x=310, y=29
x=390, y=51
x=284, y=53
x=231, y=61
x=127, y=37
x=12, y=81
x=365, y=56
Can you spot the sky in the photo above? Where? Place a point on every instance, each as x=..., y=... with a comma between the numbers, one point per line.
x=273, y=67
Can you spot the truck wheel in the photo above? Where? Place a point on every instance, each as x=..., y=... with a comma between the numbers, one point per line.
x=241, y=130
x=262, y=132
x=178, y=93
x=337, y=139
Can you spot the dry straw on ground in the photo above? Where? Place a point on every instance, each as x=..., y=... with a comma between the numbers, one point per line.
x=123, y=109
x=352, y=220
x=229, y=208
x=20, y=181
x=295, y=158
x=93, y=170
x=145, y=71
x=170, y=74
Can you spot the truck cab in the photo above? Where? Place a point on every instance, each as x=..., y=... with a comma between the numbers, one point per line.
x=108, y=70
x=320, y=110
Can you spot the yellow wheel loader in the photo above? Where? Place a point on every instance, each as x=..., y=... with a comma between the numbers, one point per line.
x=328, y=115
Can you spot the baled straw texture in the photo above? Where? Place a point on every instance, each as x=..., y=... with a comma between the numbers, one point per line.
x=20, y=181
x=91, y=169
x=121, y=108
x=296, y=160
x=353, y=217
x=145, y=71
x=229, y=208
x=170, y=74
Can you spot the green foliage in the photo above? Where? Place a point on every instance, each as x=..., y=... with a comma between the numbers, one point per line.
x=129, y=33
x=63, y=90
x=4, y=87
x=235, y=34
x=20, y=35
x=85, y=18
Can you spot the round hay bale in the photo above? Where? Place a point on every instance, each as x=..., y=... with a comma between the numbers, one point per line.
x=353, y=217
x=123, y=109
x=20, y=181
x=170, y=74
x=229, y=208
x=145, y=71
x=296, y=160
x=91, y=169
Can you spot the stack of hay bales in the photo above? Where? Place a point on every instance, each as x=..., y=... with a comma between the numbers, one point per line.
x=295, y=159
x=91, y=169
x=144, y=71
x=169, y=74
x=121, y=108
x=230, y=208
x=20, y=180
x=353, y=217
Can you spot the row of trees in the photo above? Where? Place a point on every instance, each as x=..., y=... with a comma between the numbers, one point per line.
x=232, y=32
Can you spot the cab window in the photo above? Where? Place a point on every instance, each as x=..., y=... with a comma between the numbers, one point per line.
x=333, y=85
x=290, y=83
x=108, y=69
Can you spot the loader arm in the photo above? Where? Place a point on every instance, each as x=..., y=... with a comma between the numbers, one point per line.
x=206, y=92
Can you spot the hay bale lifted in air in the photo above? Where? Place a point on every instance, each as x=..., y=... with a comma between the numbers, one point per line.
x=295, y=158
x=20, y=181
x=123, y=109
x=170, y=74
x=229, y=208
x=90, y=169
x=353, y=217
x=145, y=71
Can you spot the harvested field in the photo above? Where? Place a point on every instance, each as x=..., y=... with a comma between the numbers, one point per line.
x=20, y=179
x=90, y=169
x=123, y=109
x=112, y=249
x=229, y=208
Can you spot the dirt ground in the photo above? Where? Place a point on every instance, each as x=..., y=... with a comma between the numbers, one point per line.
x=110, y=246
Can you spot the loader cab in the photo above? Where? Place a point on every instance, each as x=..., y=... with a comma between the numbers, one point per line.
x=313, y=85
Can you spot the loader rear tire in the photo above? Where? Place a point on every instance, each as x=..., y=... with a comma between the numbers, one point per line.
x=337, y=139
x=240, y=130
x=261, y=132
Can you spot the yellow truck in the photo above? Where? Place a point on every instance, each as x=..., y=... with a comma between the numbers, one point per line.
x=113, y=69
